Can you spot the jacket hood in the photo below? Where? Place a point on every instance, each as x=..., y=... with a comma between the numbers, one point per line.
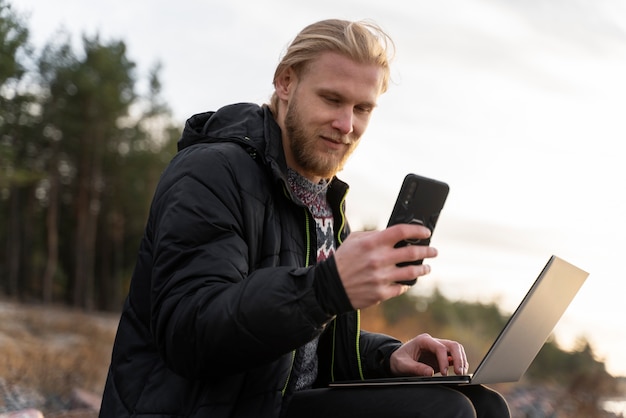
x=240, y=122
x=247, y=124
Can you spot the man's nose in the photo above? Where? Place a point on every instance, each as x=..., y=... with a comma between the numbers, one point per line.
x=344, y=121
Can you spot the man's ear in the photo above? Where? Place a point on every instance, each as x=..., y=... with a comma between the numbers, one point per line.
x=285, y=83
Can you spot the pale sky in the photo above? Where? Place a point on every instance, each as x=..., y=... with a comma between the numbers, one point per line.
x=519, y=106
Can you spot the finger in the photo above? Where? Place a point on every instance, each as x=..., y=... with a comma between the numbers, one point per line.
x=465, y=365
x=457, y=357
x=398, y=276
x=440, y=351
x=443, y=362
x=389, y=266
x=402, y=232
x=401, y=262
x=461, y=364
x=395, y=290
x=409, y=253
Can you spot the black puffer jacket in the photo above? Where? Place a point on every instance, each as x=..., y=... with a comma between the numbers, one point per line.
x=225, y=287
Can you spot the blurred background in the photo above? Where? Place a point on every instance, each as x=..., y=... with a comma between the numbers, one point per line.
x=518, y=106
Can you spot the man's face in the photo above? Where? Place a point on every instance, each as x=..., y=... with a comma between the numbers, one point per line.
x=328, y=107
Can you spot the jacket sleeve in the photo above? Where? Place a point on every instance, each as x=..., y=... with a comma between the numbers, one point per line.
x=211, y=312
x=376, y=350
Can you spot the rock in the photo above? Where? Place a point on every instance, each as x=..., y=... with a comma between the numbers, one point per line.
x=84, y=399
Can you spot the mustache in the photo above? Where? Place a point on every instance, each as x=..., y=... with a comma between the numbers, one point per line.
x=338, y=138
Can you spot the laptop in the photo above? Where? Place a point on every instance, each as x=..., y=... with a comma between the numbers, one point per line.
x=521, y=339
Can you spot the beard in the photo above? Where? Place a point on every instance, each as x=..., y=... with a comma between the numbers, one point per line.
x=304, y=146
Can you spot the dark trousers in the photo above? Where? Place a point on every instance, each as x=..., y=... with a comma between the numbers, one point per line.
x=399, y=402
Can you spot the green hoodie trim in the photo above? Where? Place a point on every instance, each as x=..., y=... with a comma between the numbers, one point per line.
x=307, y=226
x=359, y=361
x=342, y=225
x=293, y=358
x=358, y=344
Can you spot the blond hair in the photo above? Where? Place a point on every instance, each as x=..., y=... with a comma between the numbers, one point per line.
x=362, y=41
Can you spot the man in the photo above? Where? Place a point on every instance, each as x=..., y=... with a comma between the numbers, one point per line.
x=244, y=300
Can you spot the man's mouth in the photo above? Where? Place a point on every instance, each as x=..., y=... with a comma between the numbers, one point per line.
x=333, y=144
x=337, y=141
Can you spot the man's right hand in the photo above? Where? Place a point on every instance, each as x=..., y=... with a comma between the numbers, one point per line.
x=367, y=263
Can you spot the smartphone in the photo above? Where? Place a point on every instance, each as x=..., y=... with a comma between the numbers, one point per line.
x=419, y=201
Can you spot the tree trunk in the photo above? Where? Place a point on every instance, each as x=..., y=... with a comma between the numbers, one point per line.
x=14, y=242
x=52, y=230
x=88, y=208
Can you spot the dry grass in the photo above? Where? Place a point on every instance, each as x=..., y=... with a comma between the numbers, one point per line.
x=51, y=353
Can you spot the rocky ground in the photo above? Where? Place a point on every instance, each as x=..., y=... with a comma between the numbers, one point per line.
x=54, y=360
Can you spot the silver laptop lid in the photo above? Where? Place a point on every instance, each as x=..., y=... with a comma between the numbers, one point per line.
x=531, y=324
